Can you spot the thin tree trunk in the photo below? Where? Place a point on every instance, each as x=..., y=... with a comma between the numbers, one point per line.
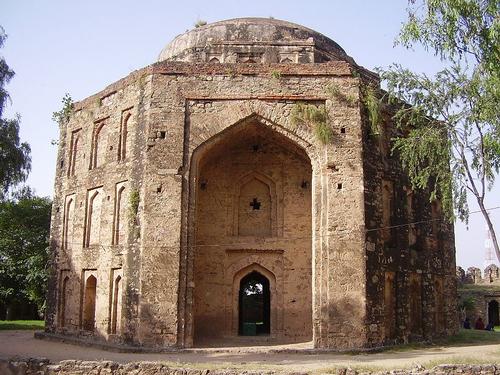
x=493, y=235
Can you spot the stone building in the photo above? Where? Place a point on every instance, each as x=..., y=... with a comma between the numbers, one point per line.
x=236, y=188
x=479, y=294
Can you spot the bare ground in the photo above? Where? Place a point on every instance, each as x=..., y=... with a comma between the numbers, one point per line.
x=23, y=344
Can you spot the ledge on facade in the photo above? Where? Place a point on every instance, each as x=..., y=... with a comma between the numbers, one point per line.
x=91, y=341
x=267, y=349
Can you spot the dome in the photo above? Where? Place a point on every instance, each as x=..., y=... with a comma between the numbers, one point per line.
x=254, y=40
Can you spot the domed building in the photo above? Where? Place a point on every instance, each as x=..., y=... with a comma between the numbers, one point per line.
x=235, y=191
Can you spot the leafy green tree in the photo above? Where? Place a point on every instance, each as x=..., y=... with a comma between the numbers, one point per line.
x=24, y=241
x=451, y=142
x=15, y=160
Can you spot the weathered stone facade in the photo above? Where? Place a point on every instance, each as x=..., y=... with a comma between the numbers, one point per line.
x=35, y=366
x=185, y=182
x=479, y=294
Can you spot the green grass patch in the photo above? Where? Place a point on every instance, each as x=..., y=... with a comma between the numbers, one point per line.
x=21, y=324
x=478, y=288
x=464, y=337
x=471, y=336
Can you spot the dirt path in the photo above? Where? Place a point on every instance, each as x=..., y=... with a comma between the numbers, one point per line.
x=22, y=344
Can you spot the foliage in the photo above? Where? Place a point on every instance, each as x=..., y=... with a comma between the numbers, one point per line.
x=24, y=236
x=134, y=200
x=456, y=30
x=231, y=72
x=310, y=115
x=200, y=23
x=21, y=325
x=466, y=304
x=62, y=116
x=15, y=160
x=451, y=142
x=372, y=105
x=276, y=74
x=336, y=92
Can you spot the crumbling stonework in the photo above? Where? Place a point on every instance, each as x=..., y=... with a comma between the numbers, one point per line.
x=479, y=294
x=183, y=183
x=35, y=366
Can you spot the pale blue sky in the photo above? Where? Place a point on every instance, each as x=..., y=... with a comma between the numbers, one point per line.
x=81, y=46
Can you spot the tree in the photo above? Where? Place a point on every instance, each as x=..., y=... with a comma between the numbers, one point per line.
x=15, y=160
x=451, y=141
x=24, y=241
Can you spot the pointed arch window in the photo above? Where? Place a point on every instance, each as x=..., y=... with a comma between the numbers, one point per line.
x=124, y=130
x=98, y=147
x=73, y=152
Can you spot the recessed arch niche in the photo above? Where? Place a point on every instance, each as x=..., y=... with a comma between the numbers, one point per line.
x=255, y=204
x=250, y=203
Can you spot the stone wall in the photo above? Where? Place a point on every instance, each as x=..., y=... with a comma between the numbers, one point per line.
x=479, y=294
x=99, y=160
x=155, y=223
x=411, y=288
x=43, y=367
x=254, y=214
x=205, y=112
x=490, y=275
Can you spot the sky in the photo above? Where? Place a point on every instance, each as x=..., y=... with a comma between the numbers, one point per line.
x=80, y=47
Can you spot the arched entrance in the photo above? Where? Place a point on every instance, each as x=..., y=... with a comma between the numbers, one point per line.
x=254, y=305
x=251, y=204
x=493, y=313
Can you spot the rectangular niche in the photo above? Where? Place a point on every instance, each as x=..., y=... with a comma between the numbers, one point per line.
x=120, y=213
x=89, y=300
x=74, y=154
x=93, y=217
x=115, y=301
x=68, y=222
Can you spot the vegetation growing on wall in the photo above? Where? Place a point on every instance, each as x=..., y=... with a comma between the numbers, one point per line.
x=372, y=104
x=134, y=200
x=200, y=23
x=336, y=93
x=317, y=118
x=276, y=74
x=62, y=116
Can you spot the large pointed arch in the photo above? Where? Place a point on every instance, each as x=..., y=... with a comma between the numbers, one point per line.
x=206, y=148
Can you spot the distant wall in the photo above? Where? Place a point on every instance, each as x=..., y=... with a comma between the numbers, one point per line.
x=474, y=275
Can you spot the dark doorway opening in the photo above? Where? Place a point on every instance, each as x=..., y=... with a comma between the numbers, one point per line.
x=254, y=305
x=493, y=313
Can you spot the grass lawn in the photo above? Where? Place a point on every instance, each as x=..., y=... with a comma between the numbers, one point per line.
x=463, y=338
x=472, y=336
x=21, y=324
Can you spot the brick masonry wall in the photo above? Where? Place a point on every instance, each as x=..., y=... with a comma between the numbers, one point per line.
x=178, y=113
x=419, y=259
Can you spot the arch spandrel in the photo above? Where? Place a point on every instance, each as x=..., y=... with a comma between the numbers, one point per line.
x=237, y=114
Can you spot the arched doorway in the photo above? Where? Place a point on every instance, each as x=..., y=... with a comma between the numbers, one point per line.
x=493, y=313
x=251, y=203
x=254, y=305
